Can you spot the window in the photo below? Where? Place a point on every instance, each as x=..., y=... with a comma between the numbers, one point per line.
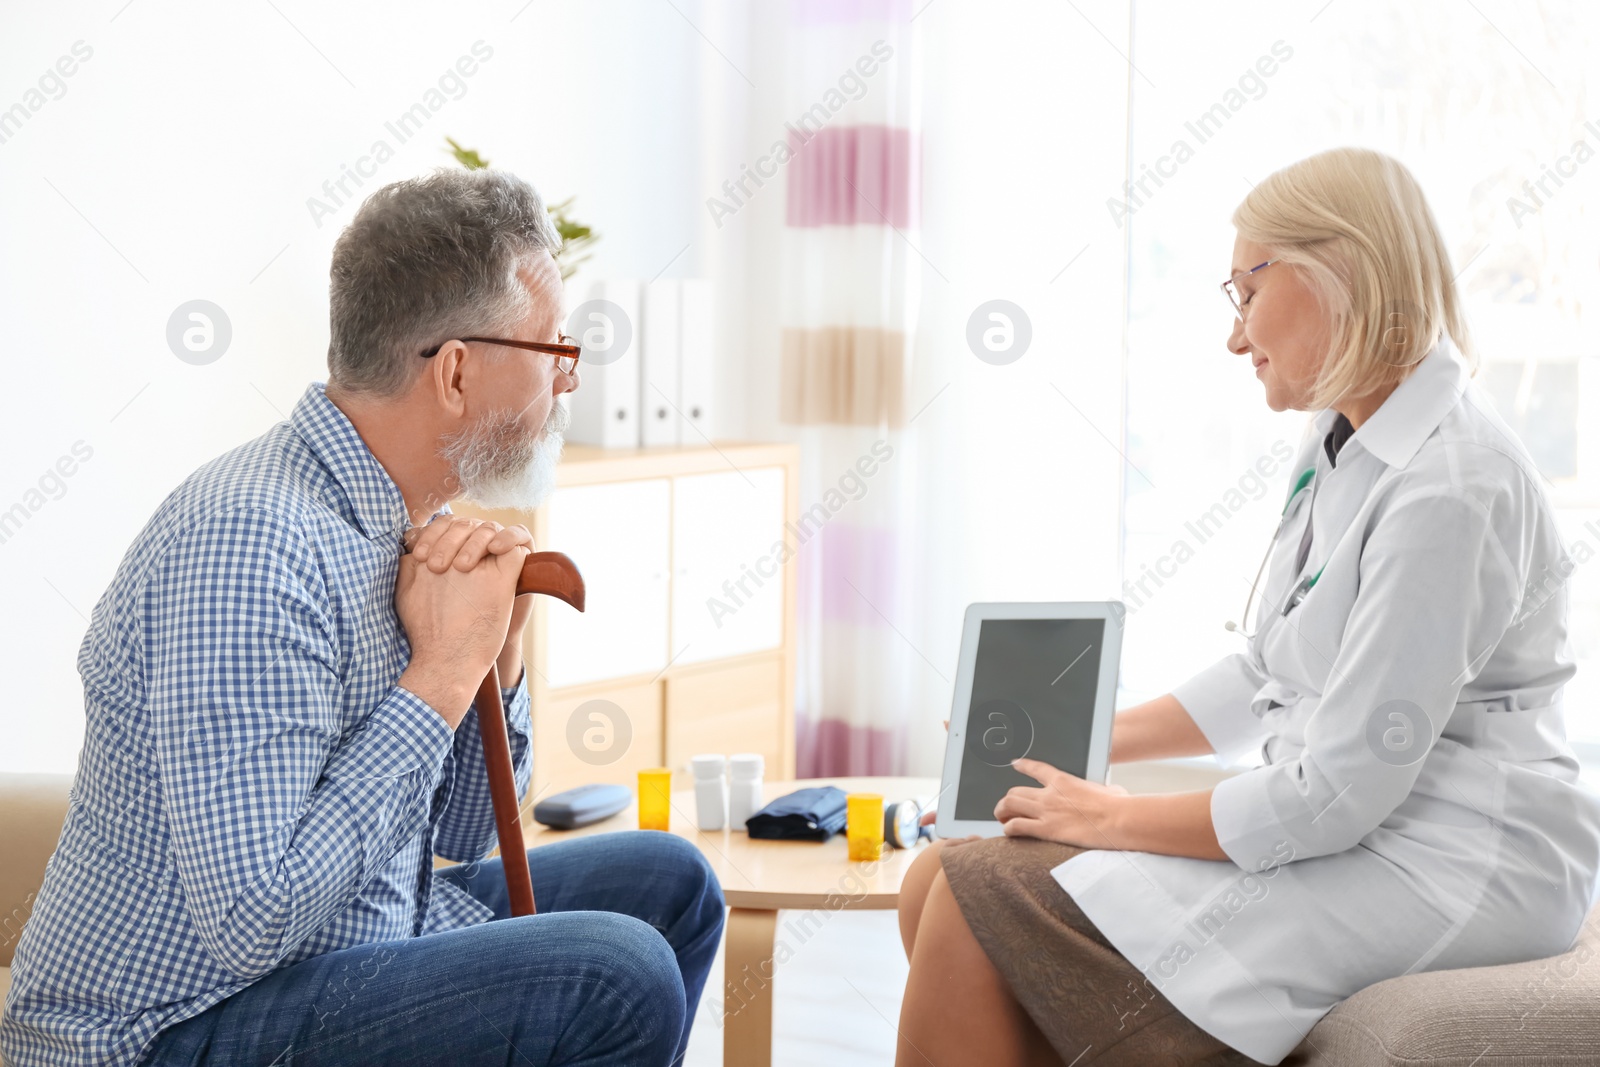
x=1489, y=108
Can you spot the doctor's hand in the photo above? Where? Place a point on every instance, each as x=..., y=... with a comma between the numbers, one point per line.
x=1063, y=807
x=931, y=815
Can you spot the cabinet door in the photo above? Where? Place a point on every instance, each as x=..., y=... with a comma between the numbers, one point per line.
x=596, y=735
x=728, y=575
x=727, y=710
x=617, y=534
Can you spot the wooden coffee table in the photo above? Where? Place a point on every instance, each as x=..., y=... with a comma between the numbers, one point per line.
x=760, y=877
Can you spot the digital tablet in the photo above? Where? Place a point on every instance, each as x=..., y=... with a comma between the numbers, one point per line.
x=1034, y=680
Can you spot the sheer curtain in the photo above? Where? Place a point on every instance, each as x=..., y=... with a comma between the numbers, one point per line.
x=850, y=282
x=970, y=166
x=1071, y=472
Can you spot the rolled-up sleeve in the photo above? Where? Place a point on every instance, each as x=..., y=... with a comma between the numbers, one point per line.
x=1436, y=593
x=1218, y=700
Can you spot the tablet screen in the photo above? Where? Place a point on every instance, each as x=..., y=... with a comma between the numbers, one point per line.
x=1033, y=693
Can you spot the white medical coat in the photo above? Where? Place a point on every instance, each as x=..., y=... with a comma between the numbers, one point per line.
x=1419, y=806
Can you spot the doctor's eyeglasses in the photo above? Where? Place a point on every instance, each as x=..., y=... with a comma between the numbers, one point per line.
x=567, y=352
x=1230, y=288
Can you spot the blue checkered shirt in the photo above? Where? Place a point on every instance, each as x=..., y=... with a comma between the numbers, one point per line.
x=254, y=788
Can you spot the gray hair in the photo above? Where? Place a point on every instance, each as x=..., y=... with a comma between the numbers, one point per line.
x=425, y=260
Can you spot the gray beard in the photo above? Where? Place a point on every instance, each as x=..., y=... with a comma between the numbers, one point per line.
x=496, y=464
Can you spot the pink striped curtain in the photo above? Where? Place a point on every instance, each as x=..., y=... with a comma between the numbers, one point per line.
x=850, y=274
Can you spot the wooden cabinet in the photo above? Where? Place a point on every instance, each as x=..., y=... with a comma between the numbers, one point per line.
x=727, y=596
x=595, y=734
x=687, y=645
x=621, y=539
x=732, y=707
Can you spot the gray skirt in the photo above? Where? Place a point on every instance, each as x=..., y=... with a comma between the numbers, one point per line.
x=1093, y=1006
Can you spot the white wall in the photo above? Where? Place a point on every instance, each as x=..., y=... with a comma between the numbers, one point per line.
x=177, y=164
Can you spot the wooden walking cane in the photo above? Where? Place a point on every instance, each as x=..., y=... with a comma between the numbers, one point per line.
x=552, y=574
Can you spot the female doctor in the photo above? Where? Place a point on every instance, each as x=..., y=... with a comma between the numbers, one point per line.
x=1418, y=807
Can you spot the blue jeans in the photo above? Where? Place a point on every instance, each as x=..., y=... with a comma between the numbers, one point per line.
x=608, y=973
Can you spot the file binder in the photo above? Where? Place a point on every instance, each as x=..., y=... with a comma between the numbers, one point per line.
x=658, y=361
x=696, y=362
x=605, y=406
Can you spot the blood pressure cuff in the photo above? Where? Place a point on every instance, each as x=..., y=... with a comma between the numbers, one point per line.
x=814, y=814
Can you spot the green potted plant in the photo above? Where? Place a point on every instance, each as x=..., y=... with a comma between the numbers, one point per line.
x=575, y=236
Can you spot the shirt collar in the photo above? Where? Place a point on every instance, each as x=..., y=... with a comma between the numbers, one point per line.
x=376, y=502
x=1416, y=407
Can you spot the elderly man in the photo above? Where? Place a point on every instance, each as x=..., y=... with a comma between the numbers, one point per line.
x=281, y=734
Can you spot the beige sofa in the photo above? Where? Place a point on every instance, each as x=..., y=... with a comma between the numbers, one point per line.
x=32, y=808
x=1542, y=1014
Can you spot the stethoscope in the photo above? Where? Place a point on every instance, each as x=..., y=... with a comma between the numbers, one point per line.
x=1304, y=585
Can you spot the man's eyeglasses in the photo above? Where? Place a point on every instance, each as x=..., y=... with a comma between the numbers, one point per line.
x=567, y=352
x=1230, y=288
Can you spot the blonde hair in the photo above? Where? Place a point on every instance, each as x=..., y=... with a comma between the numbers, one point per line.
x=1356, y=222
